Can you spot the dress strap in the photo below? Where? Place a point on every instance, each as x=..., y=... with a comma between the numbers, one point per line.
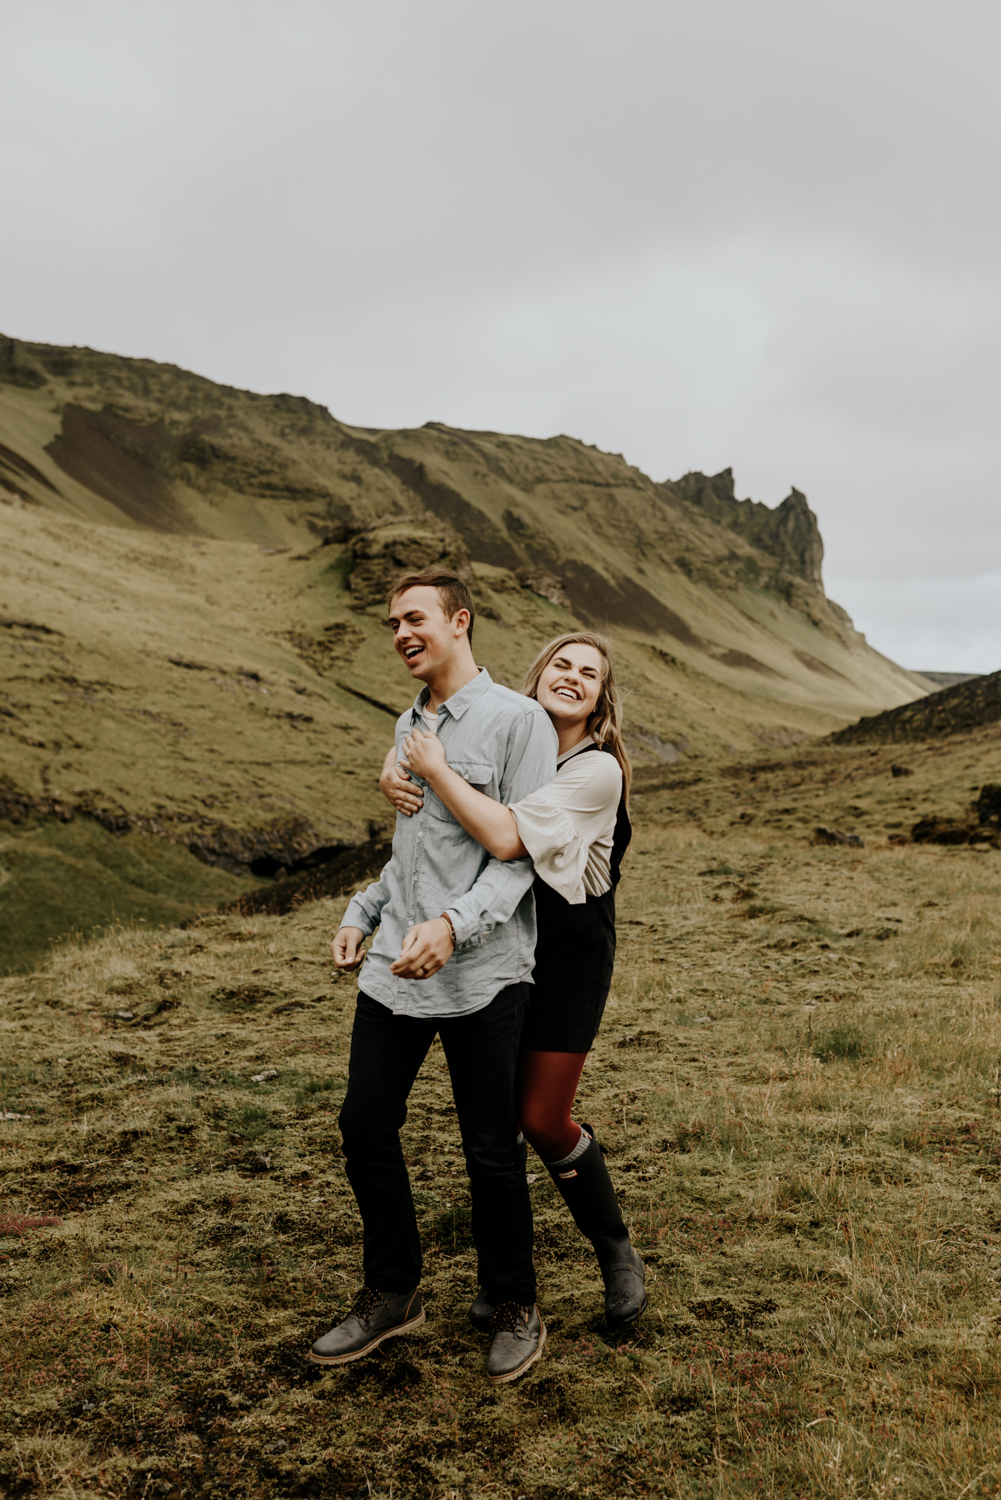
x=576, y=756
x=621, y=839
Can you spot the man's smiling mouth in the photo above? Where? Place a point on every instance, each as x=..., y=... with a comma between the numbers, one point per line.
x=410, y=652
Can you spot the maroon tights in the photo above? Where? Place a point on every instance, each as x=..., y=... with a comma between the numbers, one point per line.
x=545, y=1090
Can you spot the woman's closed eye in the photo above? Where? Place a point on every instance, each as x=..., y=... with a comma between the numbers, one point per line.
x=563, y=664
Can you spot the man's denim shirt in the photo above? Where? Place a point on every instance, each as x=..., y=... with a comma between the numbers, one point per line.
x=505, y=745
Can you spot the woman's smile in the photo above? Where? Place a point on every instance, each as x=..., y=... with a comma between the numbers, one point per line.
x=570, y=684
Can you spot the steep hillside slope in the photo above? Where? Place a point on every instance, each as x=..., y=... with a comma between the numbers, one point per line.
x=734, y=587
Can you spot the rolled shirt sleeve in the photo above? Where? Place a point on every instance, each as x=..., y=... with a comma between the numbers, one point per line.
x=494, y=898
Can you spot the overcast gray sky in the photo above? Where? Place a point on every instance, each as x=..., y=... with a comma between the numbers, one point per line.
x=758, y=233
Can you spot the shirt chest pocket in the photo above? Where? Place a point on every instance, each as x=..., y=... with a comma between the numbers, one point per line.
x=478, y=773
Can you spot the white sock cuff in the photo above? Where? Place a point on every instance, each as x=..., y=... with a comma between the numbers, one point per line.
x=578, y=1150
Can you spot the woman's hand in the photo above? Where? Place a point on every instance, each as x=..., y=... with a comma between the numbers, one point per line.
x=424, y=753
x=490, y=823
x=396, y=786
x=405, y=795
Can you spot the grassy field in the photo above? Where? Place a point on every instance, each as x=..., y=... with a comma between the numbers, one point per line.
x=797, y=1082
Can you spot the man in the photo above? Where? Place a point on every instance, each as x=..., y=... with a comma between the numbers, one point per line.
x=453, y=957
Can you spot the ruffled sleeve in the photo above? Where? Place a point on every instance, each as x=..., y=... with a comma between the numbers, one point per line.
x=567, y=826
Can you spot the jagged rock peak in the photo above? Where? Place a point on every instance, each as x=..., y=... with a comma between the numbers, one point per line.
x=789, y=533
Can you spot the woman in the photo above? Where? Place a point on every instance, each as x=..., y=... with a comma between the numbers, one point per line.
x=576, y=830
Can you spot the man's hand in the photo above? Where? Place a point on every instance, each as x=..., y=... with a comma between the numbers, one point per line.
x=426, y=949
x=347, y=948
x=424, y=753
x=397, y=787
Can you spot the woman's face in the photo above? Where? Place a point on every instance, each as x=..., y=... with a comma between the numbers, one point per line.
x=571, y=683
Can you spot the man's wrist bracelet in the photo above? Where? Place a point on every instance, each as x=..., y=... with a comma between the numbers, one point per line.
x=451, y=930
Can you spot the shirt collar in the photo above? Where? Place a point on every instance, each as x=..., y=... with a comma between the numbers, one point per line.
x=460, y=701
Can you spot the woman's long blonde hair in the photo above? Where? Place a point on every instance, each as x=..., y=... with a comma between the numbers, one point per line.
x=605, y=724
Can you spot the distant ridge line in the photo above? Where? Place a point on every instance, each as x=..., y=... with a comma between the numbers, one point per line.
x=971, y=704
x=949, y=679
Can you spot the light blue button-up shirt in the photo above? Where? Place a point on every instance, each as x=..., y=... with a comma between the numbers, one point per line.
x=505, y=745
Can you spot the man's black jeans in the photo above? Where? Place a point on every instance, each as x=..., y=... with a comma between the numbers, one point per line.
x=481, y=1049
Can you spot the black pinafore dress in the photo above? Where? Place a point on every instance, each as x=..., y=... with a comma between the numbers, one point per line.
x=574, y=957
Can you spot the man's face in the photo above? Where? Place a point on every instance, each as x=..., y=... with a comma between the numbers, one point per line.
x=425, y=639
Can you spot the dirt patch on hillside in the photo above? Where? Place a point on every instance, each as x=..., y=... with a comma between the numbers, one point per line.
x=117, y=459
x=332, y=878
x=17, y=466
x=745, y=663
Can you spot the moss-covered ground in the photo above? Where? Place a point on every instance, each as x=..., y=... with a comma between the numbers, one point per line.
x=62, y=878
x=797, y=1081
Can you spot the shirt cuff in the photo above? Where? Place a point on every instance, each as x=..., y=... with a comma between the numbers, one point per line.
x=463, y=927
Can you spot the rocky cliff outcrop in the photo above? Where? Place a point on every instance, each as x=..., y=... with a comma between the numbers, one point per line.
x=789, y=533
x=382, y=550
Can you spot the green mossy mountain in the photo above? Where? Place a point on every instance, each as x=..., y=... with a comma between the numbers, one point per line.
x=794, y=1081
x=192, y=629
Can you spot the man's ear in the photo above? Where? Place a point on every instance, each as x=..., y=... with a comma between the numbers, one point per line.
x=460, y=621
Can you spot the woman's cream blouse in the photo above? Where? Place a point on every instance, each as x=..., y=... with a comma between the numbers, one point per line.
x=568, y=824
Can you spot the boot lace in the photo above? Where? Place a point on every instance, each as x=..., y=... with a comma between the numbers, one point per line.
x=366, y=1302
x=507, y=1317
